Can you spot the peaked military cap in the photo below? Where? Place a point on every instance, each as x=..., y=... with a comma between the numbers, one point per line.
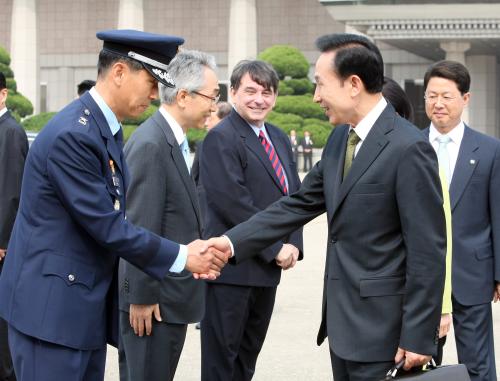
x=153, y=51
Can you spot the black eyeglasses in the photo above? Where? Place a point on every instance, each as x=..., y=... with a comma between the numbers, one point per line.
x=213, y=99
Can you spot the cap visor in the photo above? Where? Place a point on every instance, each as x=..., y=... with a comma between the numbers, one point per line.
x=160, y=75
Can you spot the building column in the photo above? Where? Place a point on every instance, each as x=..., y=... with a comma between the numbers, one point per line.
x=484, y=93
x=455, y=51
x=24, y=49
x=131, y=15
x=242, y=32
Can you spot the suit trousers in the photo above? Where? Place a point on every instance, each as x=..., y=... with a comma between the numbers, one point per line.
x=150, y=358
x=233, y=330
x=474, y=338
x=307, y=161
x=38, y=360
x=344, y=370
x=6, y=368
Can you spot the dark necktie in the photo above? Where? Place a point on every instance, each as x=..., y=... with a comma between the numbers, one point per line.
x=352, y=142
x=275, y=161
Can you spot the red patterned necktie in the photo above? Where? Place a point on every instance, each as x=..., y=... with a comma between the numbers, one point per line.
x=275, y=161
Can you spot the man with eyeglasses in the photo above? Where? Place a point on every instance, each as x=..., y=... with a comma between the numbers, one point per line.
x=162, y=197
x=246, y=164
x=471, y=162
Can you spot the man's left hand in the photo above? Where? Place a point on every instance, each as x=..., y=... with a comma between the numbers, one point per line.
x=411, y=359
x=2, y=254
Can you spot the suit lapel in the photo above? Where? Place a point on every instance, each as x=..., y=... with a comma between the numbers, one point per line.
x=371, y=148
x=5, y=116
x=252, y=142
x=111, y=146
x=180, y=163
x=467, y=162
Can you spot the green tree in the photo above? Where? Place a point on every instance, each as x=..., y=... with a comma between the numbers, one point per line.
x=18, y=104
x=287, y=60
x=295, y=109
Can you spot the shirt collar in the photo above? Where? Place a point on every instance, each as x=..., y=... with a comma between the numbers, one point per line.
x=456, y=134
x=110, y=116
x=365, y=125
x=3, y=111
x=179, y=134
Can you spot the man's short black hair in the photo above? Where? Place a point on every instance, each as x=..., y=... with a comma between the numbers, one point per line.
x=355, y=55
x=84, y=86
x=260, y=72
x=452, y=70
x=3, y=81
x=108, y=59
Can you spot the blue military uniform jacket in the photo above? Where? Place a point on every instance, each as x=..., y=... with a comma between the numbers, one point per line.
x=58, y=282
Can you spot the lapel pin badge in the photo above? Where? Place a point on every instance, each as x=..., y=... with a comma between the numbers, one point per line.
x=82, y=120
x=472, y=161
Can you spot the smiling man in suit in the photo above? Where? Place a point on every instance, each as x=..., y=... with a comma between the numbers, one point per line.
x=162, y=198
x=378, y=182
x=471, y=162
x=246, y=164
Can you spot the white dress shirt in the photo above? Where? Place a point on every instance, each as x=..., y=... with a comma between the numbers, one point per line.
x=365, y=125
x=456, y=135
x=3, y=111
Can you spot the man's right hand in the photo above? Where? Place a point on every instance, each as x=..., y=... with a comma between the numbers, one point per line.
x=205, y=263
x=2, y=254
x=141, y=317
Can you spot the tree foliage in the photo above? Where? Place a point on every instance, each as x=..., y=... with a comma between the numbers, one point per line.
x=287, y=60
x=16, y=102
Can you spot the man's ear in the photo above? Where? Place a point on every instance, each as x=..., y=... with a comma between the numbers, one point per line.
x=357, y=85
x=181, y=97
x=118, y=73
x=3, y=97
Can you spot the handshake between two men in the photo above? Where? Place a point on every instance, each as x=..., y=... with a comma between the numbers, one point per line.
x=207, y=258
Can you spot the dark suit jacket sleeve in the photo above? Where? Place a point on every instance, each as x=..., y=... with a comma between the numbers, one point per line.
x=495, y=210
x=281, y=218
x=75, y=170
x=224, y=181
x=13, y=151
x=419, y=199
x=146, y=196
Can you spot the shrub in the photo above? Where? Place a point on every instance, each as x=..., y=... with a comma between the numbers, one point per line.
x=20, y=104
x=37, y=122
x=6, y=70
x=287, y=60
x=4, y=57
x=299, y=86
x=284, y=89
x=301, y=105
x=195, y=135
x=11, y=84
x=128, y=129
x=286, y=122
x=319, y=129
x=141, y=118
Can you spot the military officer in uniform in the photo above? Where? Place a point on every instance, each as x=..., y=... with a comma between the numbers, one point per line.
x=58, y=290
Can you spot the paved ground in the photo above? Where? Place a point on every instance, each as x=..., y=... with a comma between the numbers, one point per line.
x=290, y=352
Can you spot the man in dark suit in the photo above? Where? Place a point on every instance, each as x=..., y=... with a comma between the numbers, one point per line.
x=162, y=198
x=471, y=162
x=307, y=150
x=378, y=182
x=13, y=151
x=245, y=165
x=58, y=290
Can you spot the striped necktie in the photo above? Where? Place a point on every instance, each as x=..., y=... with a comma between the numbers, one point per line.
x=352, y=142
x=275, y=161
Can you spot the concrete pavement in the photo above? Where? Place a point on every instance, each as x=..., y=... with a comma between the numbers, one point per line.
x=290, y=352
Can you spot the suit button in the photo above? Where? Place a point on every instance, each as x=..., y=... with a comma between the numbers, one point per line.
x=71, y=277
x=333, y=240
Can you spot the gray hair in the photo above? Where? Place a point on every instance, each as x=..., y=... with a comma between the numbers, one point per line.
x=187, y=71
